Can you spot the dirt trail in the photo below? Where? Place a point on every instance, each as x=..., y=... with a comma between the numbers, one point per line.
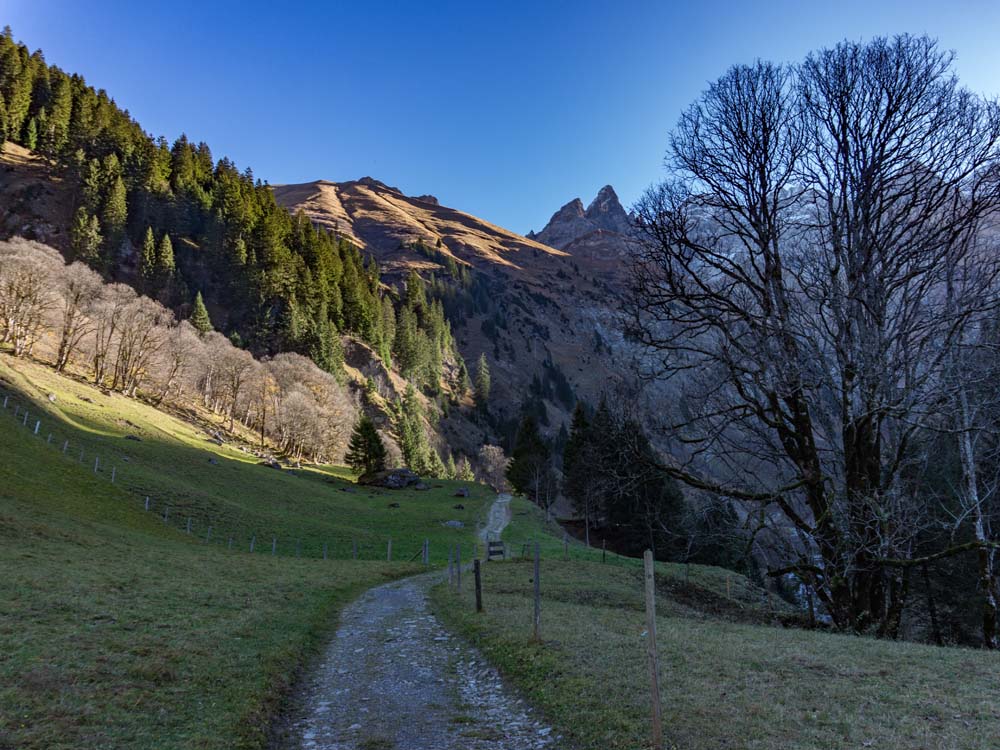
x=394, y=679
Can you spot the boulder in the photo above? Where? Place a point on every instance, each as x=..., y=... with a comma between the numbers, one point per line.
x=393, y=479
x=461, y=492
x=421, y=487
x=458, y=507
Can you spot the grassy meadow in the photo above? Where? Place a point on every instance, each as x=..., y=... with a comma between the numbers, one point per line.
x=120, y=630
x=730, y=676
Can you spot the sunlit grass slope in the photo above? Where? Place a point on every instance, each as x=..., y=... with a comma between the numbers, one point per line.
x=120, y=630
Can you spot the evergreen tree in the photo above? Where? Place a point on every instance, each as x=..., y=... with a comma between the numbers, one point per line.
x=113, y=218
x=31, y=135
x=529, y=466
x=165, y=263
x=465, y=473
x=85, y=236
x=3, y=122
x=581, y=463
x=451, y=471
x=410, y=426
x=482, y=382
x=366, y=452
x=199, y=315
x=147, y=261
x=435, y=466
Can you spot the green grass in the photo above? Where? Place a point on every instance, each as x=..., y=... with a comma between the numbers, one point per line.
x=120, y=630
x=726, y=683
x=528, y=525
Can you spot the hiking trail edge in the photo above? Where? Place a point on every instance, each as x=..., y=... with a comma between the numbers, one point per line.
x=393, y=678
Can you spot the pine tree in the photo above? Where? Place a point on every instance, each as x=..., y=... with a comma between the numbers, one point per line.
x=482, y=382
x=199, y=315
x=85, y=235
x=366, y=452
x=451, y=471
x=165, y=263
x=147, y=260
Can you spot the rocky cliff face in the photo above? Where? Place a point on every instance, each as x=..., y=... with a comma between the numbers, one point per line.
x=604, y=217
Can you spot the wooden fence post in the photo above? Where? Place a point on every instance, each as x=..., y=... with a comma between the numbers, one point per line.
x=147, y=502
x=274, y=545
x=253, y=541
x=114, y=470
x=49, y=439
x=651, y=656
x=388, y=551
x=479, y=586
x=538, y=594
x=97, y=462
x=189, y=525
x=65, y=445
x=37, y=425
x=230, y=545
x=166, y=512
x=208, y=536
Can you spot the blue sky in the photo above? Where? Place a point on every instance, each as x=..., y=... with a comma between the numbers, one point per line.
x=506, y=110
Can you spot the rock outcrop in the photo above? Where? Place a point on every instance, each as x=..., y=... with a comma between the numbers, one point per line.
x=571, y=223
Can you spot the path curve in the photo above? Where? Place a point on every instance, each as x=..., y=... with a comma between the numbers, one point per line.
x=394, y=679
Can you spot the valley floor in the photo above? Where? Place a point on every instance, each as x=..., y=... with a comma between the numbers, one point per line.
x=726, y=681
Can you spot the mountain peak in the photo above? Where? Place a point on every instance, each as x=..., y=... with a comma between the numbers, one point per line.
x=571, y=221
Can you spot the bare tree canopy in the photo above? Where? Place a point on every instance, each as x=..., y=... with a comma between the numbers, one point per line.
x=814, y=257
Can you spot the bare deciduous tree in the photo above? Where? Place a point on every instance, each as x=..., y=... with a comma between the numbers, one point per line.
x=794, y=279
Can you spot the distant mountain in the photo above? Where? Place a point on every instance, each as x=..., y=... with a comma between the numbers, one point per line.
x=572, y=223
x=544, y=308
x=389, y=224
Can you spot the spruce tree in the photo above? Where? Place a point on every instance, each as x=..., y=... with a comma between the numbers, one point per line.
x=165, y=263
x=482, y=382
x=113, y=218
x=529, y=464
x=147, y=261
x=3, y=123
x=451, y=471
x=31, y=135
x=581, y=469
x=366, y=452
x=85, y=235
x=199, y=315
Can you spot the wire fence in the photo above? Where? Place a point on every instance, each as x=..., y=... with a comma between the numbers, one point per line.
x=208, y=528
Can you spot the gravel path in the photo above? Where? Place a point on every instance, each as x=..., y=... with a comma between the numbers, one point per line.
x=394, y=679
